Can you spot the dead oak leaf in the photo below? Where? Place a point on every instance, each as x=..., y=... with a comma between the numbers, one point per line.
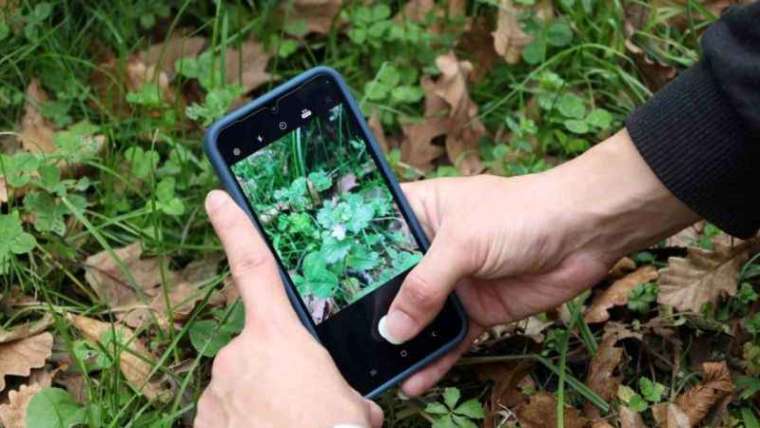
x=318, y=14
x=506, y=393
x=37, y=132
x=669, y=415
x=417, y=147
x=687, y=283
x=135, y=362
x=25, y=330
x=541, y=412
x=464, y=127
x=509, y=39
x=629, y=418
x=377, y=130
x=13, y=413
x=617, y=294
x=113, y=281
x=164, y=55
x=19, y=357
x=716, y=385
x=247, y=65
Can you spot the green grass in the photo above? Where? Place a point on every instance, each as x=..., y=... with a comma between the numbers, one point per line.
x=148, y=181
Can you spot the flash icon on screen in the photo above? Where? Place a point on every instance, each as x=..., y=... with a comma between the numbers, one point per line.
x=305, y=113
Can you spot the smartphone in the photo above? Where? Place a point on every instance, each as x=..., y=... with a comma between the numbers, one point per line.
x=303, y=164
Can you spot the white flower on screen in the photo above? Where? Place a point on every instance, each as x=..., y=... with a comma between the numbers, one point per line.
x=338, y=232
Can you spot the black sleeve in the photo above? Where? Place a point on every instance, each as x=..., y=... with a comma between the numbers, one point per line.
x=701, y=133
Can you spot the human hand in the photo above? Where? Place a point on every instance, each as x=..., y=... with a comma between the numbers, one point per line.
x=274, y=374
x=518, y=246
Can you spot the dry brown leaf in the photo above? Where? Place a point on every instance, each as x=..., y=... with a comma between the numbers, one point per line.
x=507, y=378
x=377, y=129
x=318, y=14
x=702, y=276
x=13, y=413
x=247, y=66
x=601, y=423
x=509, y=39
x=417, y=147
x=135, y=361
x=617, y=294
x=629, y=418
x=19, y=357
x=417, y=10
x=477, y=43
x=622, y=267
x=36, y=131
x=541, y=412
x=164, y=55
x=669, y=415
x=716, y=385
x=449, y=110
x=534, y=327
x=600, y=377
x=113, y=286
x=25, y=330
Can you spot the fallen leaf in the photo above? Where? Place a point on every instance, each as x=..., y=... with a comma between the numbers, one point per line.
x=656, y=74
x=135, y=362
x=617, y=294
x=377, y=129
x=449, y=111
x=25, y=330
x=509, y=39
x=113, y=285
x=36, y=131
x=702, y=276
x=318, y=14
x=417, y=147
x=19, y=357
x=417, y=10
x=477, y=43
x=541, y=412
x=534, y=327
x=164, y=55
x=698, y=400
x=13, y=414
x=622, y=267
x=669, y=415
x=601, y=423
x=601, y=378
x=507, y=378
x=629, y=418
x=247, y=65
x=347, y=182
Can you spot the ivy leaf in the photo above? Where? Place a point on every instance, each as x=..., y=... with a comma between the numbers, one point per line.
x=48, y=214
x=54, y=408
x=559, y=33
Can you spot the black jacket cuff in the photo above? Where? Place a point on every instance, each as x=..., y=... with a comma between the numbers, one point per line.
x=699, y=147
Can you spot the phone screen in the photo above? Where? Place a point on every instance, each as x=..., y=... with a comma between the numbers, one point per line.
x=328, y=212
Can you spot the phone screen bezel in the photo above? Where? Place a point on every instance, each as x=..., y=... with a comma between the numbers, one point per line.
x=257, y=119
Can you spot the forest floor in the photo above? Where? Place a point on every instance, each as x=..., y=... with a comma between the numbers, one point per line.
x=114, y=295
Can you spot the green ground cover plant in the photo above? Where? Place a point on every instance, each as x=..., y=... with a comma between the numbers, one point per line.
x=113, y=285
x=328, y=212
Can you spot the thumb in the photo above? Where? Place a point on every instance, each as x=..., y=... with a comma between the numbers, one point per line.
x=425, y=290
x=254, y=269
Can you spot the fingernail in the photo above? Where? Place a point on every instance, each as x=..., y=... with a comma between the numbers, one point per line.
x=393, y=327
x=215, y=198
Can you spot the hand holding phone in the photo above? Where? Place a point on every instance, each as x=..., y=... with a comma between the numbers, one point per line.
x=274, y=362
x=303, y=164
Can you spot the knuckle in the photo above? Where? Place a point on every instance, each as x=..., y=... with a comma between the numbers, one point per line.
x=224, y=363
x=246, y=264
x=420, y=293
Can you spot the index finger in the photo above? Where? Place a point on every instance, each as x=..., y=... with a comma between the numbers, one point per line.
x=253, y=267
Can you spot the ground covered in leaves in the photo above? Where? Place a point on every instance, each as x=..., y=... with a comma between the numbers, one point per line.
x=114, y=293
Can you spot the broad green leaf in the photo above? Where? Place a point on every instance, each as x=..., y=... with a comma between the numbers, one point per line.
x=53, y=408
x=15, y=240
x=651, y=391
x=451, y=397
x=437, y=409
x=571, y=106
x=599, y=118
x=207, y=338
x=576, y=126
x=463, y=422
x=471, y=408
x=535, y=52
x=559, y=33
x=444, y=422
x=407, y=94
x=142, y=162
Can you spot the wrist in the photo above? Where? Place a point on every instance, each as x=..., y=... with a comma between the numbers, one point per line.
x=615, y=202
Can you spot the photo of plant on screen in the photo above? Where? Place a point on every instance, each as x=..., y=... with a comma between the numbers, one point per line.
x=323, y=203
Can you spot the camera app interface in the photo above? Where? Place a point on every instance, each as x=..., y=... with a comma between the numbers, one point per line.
x=328, y=212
